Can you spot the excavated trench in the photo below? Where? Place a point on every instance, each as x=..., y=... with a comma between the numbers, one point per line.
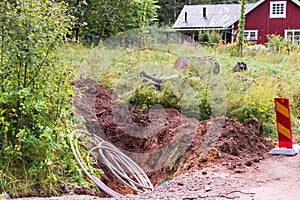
x=164, y=142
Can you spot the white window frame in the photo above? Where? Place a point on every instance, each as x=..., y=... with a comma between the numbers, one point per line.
x=248, y=38
x=277, y=15
x=292, y=40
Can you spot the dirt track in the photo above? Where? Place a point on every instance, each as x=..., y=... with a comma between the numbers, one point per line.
x=279, y=179
x=275, y=178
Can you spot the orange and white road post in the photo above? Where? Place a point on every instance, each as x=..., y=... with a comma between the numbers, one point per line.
x=284, y=128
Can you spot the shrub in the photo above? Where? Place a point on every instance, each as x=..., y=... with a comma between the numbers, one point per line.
x=144, y=97
x=204, y=38
x=278, y=43
x=35, y=120
x=209, y=38
x=214, y=38
x=192, y=101
x=254, y=101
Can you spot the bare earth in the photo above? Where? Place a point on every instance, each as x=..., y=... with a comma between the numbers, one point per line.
x=236, y=165
x=274, y=178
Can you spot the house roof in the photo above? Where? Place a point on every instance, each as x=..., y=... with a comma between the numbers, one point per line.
x=217, y=16
x=220, y=16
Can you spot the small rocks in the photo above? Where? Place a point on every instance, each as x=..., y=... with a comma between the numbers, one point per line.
x=248, y=163
x=238, y=171
x=204, y=172
x=180, y=183
x=224, y=163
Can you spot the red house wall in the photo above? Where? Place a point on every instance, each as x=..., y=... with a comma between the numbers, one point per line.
x=259, y=19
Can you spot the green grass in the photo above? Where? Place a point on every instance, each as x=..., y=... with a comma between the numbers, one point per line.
x=275, y=74
x=74, y=54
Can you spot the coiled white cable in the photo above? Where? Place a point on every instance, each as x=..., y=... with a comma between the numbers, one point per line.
x=117, y=162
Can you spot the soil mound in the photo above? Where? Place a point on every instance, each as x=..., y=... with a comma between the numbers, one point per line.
x=164, y=142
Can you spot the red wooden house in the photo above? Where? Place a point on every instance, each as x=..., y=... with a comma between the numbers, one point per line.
x=262, y=18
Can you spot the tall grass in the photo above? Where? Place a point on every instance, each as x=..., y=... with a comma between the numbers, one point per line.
x=275, y=74
x=270, y=74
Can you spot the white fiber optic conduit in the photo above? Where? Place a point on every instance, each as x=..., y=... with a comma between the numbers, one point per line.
x=117, y=162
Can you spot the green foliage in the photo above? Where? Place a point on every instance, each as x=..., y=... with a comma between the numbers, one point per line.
x=169, y=11
x=214, y=38
x=144, y=97
x=73, y=54
x=188, y=93
x=253, y=101
x=197, y=102
x=167, y=97
x=274, y=74
x=195, y=105
x=241, y=28
x=35, y=157
x=278, y=43
x=231, y=49
x=107, y=18
x=210, y=38
x=203, y=38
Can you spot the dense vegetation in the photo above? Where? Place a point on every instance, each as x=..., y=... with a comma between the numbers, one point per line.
x=35, y=112
x=103, y=18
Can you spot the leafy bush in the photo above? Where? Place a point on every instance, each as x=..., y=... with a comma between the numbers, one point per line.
x=278, y=43
x=214, y=38
x=193, y=101
x=35, y=158
x=203, y=38
x=145, y=97
x=254, y=101
x=210, y=38
x=232, y=49
x=197, y=103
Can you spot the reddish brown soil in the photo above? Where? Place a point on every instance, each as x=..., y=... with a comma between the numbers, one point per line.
x=274, y=178
x=218, y=141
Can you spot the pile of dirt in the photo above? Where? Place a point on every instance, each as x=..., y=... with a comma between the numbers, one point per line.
x=164, y=142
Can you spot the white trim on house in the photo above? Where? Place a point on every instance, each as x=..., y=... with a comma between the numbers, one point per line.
x=200, y=29
x=250, y=35
x=247, y=11
x=232, y=33
x=296, y=2
x=277, y=9
x=292, y=35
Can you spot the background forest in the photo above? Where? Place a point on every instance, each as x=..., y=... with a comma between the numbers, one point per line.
x=106, y=18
